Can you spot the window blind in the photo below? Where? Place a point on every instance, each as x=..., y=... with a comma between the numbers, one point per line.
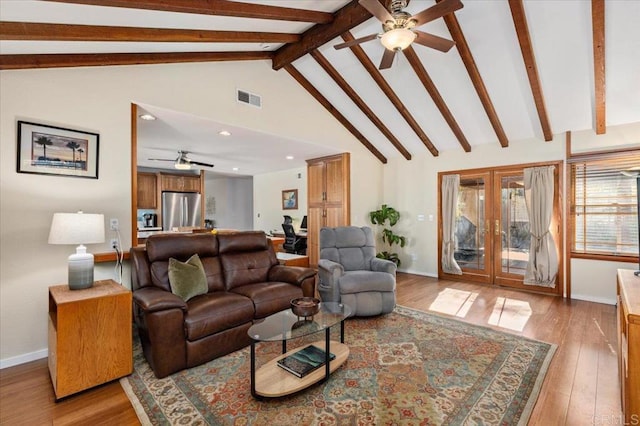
x=604, y=205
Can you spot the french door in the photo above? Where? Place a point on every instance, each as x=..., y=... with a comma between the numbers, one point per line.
x=492, y=238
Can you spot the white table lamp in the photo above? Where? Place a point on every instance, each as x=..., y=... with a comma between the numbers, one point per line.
x=78, y=228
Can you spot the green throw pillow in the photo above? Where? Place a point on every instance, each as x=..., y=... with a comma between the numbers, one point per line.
x=187, y=279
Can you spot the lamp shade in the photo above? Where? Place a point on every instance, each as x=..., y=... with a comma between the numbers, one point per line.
x=77, y=228
x=398, y=39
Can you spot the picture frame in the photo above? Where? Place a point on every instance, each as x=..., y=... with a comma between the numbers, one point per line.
x=290, y=199
x=51, y=150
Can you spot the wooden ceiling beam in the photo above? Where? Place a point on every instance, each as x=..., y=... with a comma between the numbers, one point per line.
x=388, y=91
x=344, y=19
x=66, y=32
x=470, y=64
x=216, y=7
x=333, y=111
x=17, y=62
x=522, y=30
x=431, y=88
x=348, y=90
x=597, y=20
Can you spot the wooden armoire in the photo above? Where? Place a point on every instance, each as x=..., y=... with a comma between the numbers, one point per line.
x=329, y=198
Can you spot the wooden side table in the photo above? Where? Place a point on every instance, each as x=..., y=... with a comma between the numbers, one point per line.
x=90, y=337
x=629, y=344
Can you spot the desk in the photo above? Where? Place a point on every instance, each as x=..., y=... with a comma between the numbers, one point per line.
x=277, y=243
x=299, y=234
x=293, y=259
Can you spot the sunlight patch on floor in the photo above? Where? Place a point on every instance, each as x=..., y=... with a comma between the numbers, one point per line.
x=510, y=313
x=453, y=302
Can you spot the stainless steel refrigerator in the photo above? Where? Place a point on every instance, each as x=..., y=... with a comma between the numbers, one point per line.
x=181, y=209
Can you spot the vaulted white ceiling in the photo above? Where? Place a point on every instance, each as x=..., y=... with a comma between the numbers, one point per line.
x=561, y=40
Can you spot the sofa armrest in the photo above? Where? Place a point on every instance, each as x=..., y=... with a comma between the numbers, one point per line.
x=383, y=265
x=152, y=299
x=305, y=278
x=290, y=274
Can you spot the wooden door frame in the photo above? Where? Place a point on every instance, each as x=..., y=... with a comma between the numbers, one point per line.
x=557, y=223
x=483, y=277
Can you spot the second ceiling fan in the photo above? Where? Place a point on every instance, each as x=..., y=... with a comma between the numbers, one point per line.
x=398, y=27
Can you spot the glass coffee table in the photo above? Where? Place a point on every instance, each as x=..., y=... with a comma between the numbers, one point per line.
x=270, y=380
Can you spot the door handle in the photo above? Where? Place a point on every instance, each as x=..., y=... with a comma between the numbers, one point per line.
x=497, y=231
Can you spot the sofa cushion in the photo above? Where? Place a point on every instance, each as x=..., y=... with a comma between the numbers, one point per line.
x=187, y=279
x=269, y=297
x=214, y=312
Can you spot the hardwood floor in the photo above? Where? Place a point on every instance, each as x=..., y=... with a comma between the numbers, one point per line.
x=581, y=386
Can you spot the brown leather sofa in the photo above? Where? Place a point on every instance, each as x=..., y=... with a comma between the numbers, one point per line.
x=245, y=283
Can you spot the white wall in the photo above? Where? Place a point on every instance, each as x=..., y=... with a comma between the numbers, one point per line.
x=98, y=100
x=267, y=196
x=229, y=201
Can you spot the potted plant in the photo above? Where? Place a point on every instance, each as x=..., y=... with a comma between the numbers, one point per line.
x=392, y=216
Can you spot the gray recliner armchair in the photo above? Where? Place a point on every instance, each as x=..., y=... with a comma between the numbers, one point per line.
x=350, y=272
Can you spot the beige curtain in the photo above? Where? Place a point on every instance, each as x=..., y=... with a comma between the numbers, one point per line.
x=450, y=185
x=542, y=268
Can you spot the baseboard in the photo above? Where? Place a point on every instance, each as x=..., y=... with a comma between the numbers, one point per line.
x=596, y=299
x=24, y=358
x=422, y=273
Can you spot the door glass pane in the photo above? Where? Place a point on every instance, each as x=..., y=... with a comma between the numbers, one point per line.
x=514, y=226
x=470, y=223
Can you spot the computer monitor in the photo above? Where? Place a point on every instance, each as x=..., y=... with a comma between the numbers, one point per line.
x=303, y=225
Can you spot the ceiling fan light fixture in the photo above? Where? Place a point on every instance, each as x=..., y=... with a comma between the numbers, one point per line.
x=398, y=38
x=182, y=164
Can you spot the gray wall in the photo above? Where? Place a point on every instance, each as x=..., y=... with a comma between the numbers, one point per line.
x=229, y=201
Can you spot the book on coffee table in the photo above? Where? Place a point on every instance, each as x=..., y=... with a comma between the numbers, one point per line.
x=304, y=361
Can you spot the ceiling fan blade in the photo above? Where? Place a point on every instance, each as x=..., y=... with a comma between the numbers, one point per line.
x=198, y=163
x=387, y=59
x=159, y=159
x=376, y=9
x=356, y=41
x=433, y=41
x=436, y=11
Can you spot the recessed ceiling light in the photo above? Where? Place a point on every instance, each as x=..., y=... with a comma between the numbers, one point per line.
x=264, y=46
x=224, y=133
x=235, y=169
x=289, y=157
x=147, y=117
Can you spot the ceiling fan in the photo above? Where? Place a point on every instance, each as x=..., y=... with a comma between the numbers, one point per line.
x=183, y=162
x=398, y=27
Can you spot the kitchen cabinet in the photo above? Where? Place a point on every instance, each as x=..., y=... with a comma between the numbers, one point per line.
x=147, y=191
x=628, y=311
x=328, y=197
x=90, y=336
x=180, y=183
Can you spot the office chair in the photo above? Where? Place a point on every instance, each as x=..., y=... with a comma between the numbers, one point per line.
x=293, y=244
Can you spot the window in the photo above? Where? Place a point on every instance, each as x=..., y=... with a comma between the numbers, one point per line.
x=604, y=205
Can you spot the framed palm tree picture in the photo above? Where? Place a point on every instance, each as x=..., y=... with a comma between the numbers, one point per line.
x=51, y=150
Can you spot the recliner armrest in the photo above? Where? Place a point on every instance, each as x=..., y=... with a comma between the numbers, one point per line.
x=151, y=299
x=383, y=265
x=331, y=267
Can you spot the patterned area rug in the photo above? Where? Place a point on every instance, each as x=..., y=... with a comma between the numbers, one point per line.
x=407, y=367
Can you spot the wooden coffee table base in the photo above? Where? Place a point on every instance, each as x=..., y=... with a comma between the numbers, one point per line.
x=273, y=381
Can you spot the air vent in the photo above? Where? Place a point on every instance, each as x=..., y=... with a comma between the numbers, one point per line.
x=249, y=98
